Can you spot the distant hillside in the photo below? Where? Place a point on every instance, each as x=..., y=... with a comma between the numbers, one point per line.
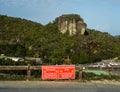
x=14, y=29
x=20, y=37
x=117, y=36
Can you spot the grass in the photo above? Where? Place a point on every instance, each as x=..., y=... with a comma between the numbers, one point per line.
x=93, y=76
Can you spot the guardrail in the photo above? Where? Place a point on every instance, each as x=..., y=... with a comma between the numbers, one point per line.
x=27, y=68
x=78, y=68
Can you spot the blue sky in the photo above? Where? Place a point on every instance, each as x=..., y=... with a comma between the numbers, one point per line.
x=103, y=15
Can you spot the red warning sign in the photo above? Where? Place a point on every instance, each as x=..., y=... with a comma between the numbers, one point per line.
x=67, y=72
x=58, y=72
x=49, y=72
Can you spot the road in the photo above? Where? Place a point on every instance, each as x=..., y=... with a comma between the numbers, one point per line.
x=60, y=90
x=52, y=86
x=96, y=89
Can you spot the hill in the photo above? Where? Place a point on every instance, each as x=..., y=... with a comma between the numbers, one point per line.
x=20, y=37
x=117, y=36
x=12, y=29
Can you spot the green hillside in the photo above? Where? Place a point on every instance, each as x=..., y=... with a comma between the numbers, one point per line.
x=20, y=37
x=117, y=36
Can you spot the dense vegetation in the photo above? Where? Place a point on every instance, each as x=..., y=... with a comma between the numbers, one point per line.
x=21, y=38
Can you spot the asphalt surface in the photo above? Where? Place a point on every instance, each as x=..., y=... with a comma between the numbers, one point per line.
x=59, y=90
x=51, y=86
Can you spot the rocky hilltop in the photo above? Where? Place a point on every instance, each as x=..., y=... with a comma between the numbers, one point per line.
x=71, y=24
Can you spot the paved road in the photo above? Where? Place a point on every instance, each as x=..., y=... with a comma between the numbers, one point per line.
x=94, y=89
x=52, y=86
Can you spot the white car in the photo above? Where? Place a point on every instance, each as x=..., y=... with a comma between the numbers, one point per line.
x=113, y=64
x=99, y=65
x=95, y=65
x=102, y=65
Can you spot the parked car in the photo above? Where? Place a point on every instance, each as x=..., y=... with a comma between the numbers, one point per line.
x=99, y=65
x=108, y=65
x=102, y=65
x=113, y=64
x=95, y=65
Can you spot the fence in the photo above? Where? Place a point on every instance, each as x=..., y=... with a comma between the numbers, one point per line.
x=29, y=68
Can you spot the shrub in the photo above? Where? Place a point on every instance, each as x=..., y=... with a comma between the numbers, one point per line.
x=92, y=76
x=9, y=77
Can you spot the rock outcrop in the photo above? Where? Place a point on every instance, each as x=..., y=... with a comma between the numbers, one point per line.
x=71, y=24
